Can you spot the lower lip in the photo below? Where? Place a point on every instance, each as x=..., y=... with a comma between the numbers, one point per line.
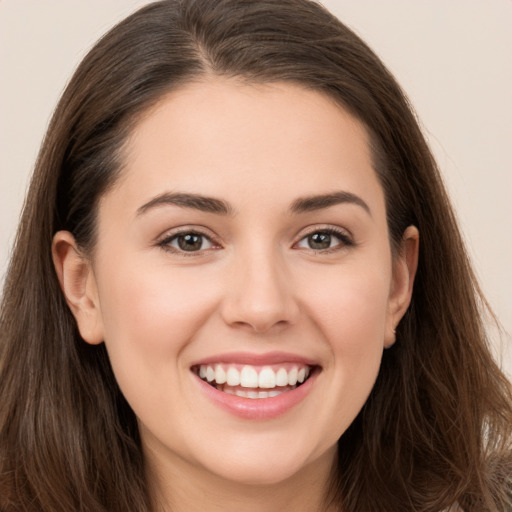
x=258, y=408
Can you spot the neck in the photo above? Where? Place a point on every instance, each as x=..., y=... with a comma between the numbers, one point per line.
x=178, y=486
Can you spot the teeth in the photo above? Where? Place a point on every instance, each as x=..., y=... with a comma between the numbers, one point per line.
x=220, y=375
x=232, y=376
x=281, y=377
x=292, y=376
x=248, y=377
x=267, y=378
x=210, y=374
x=254, y=394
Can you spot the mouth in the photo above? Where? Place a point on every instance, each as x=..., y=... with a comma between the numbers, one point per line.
x=252, y=381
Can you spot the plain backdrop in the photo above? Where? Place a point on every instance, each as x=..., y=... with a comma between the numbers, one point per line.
x=452, y=57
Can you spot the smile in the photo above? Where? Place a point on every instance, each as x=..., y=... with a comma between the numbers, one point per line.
x=254, y=382
x=256, y=386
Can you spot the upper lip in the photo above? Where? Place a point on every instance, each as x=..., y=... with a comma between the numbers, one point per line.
x=247, y=358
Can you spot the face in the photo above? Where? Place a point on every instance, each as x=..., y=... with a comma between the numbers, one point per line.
x=242, y=279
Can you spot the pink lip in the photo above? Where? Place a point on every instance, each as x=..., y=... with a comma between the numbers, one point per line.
x=268, y=358
x=257, y=409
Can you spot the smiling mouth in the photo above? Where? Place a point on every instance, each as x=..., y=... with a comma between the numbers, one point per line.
x=254, y=382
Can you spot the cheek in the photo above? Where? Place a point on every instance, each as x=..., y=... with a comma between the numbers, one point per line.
x=351, y=315
x=350, y=307
x=150, y=316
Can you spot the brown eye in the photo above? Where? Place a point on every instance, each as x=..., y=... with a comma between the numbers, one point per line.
x=325, y=239
x=188, y=242
x=319, y=241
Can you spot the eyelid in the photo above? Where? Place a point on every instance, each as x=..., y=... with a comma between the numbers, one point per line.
x=164, y=239
x=344, y=235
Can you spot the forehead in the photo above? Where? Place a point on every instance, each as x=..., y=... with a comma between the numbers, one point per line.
x=226, y=138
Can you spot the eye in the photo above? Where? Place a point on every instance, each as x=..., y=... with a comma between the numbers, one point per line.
x=189, y=241
x=324, y=239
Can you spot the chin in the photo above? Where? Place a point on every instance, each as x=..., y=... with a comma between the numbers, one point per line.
x=268, y=473
x=267, y=467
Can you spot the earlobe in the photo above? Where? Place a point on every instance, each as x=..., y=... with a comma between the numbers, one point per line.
x=404, y=272
x=78, y=284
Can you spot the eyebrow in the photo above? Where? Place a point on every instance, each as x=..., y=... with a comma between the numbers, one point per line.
x=220, y=207
x=319, y=202
x=194, y=201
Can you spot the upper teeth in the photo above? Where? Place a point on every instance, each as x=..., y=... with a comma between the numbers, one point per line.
x=254, y=377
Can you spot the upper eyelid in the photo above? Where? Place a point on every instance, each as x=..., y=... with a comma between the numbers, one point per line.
x=323, y=227
x=345, y=239
x=182, y=230
x=164, y=242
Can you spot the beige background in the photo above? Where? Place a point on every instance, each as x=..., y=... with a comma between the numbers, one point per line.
x=452, y=57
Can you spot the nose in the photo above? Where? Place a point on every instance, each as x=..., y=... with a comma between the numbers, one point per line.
x=259, y=294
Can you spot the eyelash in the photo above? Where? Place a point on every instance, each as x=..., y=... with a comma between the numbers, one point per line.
x=344, y=239
x=165, y=243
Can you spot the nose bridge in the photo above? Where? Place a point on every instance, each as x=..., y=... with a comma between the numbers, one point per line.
x=260, y=293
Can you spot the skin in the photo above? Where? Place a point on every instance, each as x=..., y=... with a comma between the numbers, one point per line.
x=258, y=287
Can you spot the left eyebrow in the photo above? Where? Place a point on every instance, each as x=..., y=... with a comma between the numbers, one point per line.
x=319, y=202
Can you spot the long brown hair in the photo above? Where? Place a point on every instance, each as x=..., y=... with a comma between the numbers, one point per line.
x=436, y=429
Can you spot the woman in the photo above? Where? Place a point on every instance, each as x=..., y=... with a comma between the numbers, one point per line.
x=219, y=297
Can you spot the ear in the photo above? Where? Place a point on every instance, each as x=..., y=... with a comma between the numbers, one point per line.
x=404, y=270
x=76, y=278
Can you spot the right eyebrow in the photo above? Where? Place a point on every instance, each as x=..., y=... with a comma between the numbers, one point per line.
x=184, y=200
